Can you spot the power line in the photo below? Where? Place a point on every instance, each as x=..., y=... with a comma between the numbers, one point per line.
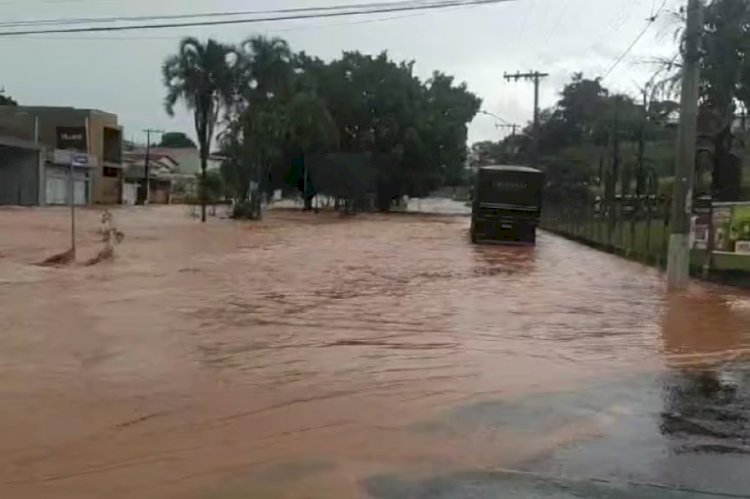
x=562, y=13
x=523, y=25
x=615, y=25
x=651, y=20
x=397, y=7
x=96, y=20
x=178, y=36
x=493, y=115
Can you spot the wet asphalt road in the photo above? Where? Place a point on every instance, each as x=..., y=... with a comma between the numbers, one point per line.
x=376, y=357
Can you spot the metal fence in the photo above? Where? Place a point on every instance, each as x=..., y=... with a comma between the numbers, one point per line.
x=637, y=227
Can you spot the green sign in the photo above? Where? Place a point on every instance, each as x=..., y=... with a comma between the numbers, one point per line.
x=732, y=228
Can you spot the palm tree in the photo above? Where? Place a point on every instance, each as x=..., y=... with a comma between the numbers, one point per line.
x=257, y=124
x=266, y=69
x=201, y=75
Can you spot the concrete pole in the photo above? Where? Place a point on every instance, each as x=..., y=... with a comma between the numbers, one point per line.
x=72, y=201
x=146, y=173
x=678, y=256
x=536, y=102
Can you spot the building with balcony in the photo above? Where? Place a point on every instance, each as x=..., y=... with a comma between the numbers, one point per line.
x=40, y=146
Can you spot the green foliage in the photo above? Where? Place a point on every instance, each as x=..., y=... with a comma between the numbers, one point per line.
x=487, y=153
x=244, y=210
x=212, y=186
x=290, y=106
x=177, y=140
x=7, y=101
x=202, y=76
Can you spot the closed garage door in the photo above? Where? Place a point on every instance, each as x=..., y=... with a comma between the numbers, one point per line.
x=57, y=187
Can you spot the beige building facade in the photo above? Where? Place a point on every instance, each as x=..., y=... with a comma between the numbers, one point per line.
x=94, y=133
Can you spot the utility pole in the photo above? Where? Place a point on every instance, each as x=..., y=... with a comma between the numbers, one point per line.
x=513, y=127
x=501, y=123
x=146, y=178
x=536, y=77
x=72, y=202
x=678, y=255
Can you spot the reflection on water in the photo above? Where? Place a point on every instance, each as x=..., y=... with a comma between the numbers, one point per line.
x=495, y=260
x=705, y=328
x=314, y=353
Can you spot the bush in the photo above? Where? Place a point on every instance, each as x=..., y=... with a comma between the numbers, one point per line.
x=243, y=210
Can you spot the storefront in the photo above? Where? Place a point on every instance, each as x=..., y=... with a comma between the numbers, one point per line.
x=57, y=178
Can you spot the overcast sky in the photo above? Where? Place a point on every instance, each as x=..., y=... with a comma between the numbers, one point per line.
x=120, y=72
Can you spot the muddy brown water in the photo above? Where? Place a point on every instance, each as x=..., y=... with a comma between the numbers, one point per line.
x=306, y=355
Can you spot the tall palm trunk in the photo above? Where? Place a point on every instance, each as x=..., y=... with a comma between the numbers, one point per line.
x=204, y=166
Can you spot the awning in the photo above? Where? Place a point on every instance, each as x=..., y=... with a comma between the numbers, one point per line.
x=8, y=141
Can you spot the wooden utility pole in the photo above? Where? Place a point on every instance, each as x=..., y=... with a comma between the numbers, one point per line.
x=536, y=77
x=513, y=127
x=678, y=255
x=147, y=160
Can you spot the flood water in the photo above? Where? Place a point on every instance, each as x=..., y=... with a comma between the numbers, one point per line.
x=374, y=356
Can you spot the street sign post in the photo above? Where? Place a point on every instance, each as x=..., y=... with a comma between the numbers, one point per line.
x=76, y=160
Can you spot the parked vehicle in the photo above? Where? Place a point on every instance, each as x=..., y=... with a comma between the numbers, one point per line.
x=507, y=204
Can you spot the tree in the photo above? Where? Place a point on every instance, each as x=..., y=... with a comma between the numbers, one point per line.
x=265, y=70
x=202, y=76
x=415, y=131
x=257, y=125
x=488, y=153
x=725, y=84
x=368, y=110
x=177, y=140
x=312, y=130
x=7, y=101
x=212, y=186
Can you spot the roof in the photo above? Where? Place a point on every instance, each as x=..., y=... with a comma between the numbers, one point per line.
x=8, y=141
x=510, y=168
x=186, y=159
x=41, y=109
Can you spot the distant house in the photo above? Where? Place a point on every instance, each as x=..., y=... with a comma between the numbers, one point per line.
x=172, y=173
x=187, y=159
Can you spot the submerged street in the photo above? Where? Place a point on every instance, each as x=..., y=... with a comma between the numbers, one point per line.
x=377, y=356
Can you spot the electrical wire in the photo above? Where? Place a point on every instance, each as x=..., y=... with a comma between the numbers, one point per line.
x=395, y=7
x=96, y=20
x=522, y=32
x=563, y=12
x=614, y=27
x=178, y=36
x=651, y=20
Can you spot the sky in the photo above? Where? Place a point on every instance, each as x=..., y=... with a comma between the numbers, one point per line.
x=121, y=72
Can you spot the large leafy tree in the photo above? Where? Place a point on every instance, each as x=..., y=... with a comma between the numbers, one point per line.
x=725, y=85
x=257, y=124
x=370, y=110
x=201, y=75
x=178, y=140
x=7, y=101
x=724, y=90
x=415, y=131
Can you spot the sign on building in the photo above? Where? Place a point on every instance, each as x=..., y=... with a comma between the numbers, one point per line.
x=72, y=137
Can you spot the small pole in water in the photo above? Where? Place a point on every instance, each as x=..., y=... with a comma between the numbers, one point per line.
x=71, y=200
